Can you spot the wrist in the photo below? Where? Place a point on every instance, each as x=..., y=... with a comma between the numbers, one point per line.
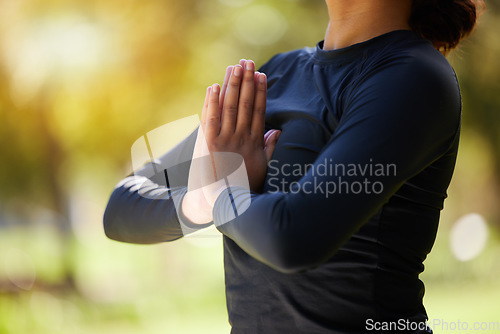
x=195, y=207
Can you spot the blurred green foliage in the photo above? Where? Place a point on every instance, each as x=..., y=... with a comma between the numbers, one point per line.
x=80, y=81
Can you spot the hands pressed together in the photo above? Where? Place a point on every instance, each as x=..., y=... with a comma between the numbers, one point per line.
x=232, y=120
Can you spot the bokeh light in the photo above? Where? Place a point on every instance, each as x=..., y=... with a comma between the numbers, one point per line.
x=468, y=237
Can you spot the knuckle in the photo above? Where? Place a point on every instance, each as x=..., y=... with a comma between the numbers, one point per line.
x=234, y=83
x=247, y=104
x=260, y=109
x=249, y=77
x=212, y=119
x=243, y=136
x=231, y=109
x=243, y=140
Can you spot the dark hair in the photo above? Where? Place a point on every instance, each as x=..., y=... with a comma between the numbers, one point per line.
x=444, y=22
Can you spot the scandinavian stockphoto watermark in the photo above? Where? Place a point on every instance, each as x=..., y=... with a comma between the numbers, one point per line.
x=436, y=325
x=328, y=177
x=163, y=169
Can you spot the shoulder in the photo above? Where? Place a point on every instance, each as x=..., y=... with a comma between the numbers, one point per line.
x=410, y=71
x=411, y=63
x=406, y=85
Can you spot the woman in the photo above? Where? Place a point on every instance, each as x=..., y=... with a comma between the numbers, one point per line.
x=345, y=205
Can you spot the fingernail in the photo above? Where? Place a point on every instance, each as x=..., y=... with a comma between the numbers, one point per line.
x=237, y=71
x=249, y=65
x=215, y=89
x=262, y=78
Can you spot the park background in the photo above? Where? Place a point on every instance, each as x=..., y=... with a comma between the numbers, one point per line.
x=80, y=81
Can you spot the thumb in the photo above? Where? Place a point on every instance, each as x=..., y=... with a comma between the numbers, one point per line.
x=270, y=143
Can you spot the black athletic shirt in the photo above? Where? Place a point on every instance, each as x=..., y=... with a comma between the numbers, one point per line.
x=351, y=204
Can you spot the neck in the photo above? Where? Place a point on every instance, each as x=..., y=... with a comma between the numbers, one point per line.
x=356, y=21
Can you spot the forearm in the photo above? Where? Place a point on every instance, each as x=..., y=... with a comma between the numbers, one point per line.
x=292, y=232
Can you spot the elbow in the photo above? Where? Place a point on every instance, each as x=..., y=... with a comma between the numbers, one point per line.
x=119, y=227
x=114, y=224
x=134, y=220
x=117, y=215
x=123, y=227
x=111, y=225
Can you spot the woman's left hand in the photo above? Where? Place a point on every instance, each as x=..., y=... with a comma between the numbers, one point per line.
x=236, y=124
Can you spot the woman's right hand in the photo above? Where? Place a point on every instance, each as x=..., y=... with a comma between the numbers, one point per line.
x=194, y=206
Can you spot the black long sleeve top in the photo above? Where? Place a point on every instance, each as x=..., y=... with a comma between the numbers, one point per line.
x=351, y=203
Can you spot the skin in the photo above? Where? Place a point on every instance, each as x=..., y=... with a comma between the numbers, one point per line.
x=233, y=116
x=356, y=21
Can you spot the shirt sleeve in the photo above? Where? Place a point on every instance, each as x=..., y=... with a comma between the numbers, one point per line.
x=143, y=207
x=397, y=120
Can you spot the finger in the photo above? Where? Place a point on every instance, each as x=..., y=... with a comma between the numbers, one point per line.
x=270, y=144
x=205, y=107
x=268, y=134
x=256, y=79
x=242, y=62
x=224, y=86
x=212, y=125
x=230, y=108
x=247, y=96
x=259, y=110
